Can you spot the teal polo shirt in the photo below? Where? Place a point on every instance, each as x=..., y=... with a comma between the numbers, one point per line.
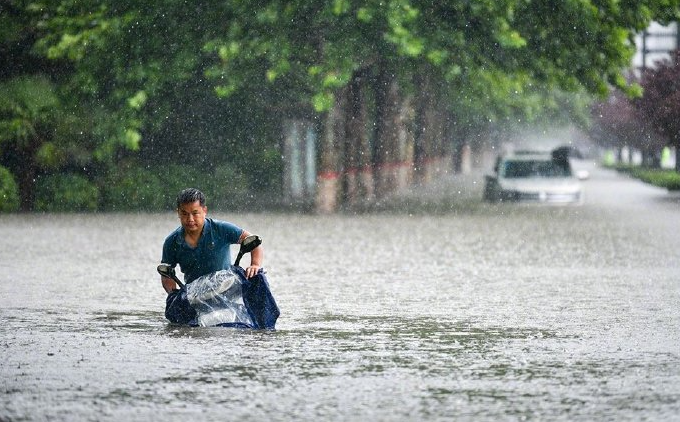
x=212, y=253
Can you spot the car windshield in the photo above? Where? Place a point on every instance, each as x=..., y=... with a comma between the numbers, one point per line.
x=515, y=169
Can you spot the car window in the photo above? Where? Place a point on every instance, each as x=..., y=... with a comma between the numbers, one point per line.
x=514, y=169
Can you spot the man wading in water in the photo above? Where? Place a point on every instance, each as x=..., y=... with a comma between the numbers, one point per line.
x=202, y=245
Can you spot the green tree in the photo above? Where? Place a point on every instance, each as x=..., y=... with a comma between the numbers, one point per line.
x=143, y=71
x=45, y=126
x=660, y=104
x=9, y=192
x=66, y=192
x=495, y=62
x=27, y=109
x=142, y=65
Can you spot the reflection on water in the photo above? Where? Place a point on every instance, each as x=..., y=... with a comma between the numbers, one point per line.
x=479, y=313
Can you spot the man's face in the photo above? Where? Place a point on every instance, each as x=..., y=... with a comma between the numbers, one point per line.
x=192, y=216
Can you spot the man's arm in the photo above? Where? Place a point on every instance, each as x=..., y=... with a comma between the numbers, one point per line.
x=168, y=257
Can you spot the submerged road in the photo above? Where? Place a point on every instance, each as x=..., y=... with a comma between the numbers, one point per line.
x=446, y=309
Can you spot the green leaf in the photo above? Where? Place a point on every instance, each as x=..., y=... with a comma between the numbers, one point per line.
x=511, y=39
x=323, y=101
x=335, y=80
x=340, y=7
x=437, y=57
x=137, y=101
x=224, y=91
x=364, y=14
x=132, y=139
x=50, y=156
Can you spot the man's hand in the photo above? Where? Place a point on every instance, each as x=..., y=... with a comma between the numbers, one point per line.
x=252, y=270
x=168, y=284
x=256, y=257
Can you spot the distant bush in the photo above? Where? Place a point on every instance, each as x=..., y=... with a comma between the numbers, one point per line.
x=9, y=192
x=265, y=174
x=65, y=192
x=155, y=188
x=227, y=188
x=175, y=177
x=668, y=179
x=223, y=186
x=132, y=188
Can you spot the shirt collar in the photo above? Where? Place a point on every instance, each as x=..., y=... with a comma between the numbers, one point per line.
x=207, y=229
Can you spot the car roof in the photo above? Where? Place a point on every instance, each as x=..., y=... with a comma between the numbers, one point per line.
x=529, y=152
x=527, y=156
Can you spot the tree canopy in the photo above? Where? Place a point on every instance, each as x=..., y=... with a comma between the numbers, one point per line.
x=166, y=75
x=660, y=104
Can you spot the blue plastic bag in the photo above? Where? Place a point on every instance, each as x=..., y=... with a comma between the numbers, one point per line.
x=225, y=298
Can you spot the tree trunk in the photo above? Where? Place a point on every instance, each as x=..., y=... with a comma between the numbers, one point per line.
x=405, y=139
x=462, y=158
x=387, y=133
x=430, y=142
x=358, y=172
x=27, y=171
x=437, y=119
x=421, y=139
x=328, y=178
x=26, y=182
x=649, y=158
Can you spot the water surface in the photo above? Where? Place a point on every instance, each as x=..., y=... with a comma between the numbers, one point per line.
x=473, y=312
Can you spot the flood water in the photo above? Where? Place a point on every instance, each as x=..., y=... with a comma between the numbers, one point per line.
x=474, y=312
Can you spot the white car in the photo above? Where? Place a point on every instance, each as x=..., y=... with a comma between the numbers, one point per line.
x=534, y=177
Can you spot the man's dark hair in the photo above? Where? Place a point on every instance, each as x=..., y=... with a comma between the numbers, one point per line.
x=189, y=195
